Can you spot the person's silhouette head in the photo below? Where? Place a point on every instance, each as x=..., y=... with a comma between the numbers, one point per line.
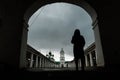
x=77, y=32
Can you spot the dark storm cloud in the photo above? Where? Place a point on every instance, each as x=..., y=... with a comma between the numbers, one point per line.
x=55, y=25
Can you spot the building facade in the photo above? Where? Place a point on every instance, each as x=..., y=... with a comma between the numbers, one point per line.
x=90, y=58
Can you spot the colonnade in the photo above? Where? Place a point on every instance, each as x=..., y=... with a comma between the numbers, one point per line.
x=35, y=59
x=90, y=57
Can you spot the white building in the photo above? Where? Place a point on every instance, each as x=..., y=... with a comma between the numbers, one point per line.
x=62, y=58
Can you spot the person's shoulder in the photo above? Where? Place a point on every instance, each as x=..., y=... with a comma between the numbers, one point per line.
x=81, y=36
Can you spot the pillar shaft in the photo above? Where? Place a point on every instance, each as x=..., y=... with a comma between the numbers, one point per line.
x=31, y=61
x=36, y=64
x=91, y=60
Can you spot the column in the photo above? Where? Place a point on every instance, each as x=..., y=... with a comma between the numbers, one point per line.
x=31, y=61
x=40, y=62
x=43, y=64
x=23, y=45
x=91, y=60
x=13, y=35
x=49, y=64
x=79, y=63
x=99, y=48
x=46, y=64
x=86, y=61
x=36, y=64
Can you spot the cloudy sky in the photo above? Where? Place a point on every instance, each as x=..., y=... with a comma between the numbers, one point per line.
x=52, y=27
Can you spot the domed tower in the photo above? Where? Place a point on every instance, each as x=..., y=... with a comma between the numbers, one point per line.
x=62, y=58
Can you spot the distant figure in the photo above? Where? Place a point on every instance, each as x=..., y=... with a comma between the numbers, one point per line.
x=78, y=42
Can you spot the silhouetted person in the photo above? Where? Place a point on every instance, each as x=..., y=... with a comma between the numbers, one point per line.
x=78, y=42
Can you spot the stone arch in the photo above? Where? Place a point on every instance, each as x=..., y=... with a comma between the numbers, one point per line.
x=33, y=8
x=39, y=3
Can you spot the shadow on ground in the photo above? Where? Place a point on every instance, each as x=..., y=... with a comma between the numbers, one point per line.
x=61, y=75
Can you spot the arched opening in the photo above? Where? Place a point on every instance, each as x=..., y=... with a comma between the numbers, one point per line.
x=52, y=26
x=90, y=11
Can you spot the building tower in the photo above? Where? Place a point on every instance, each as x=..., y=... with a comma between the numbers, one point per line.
x=62, y=58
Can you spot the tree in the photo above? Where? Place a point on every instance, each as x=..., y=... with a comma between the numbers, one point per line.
x=50, y=56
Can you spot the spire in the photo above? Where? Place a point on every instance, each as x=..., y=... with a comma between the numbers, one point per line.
x=62, y=51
